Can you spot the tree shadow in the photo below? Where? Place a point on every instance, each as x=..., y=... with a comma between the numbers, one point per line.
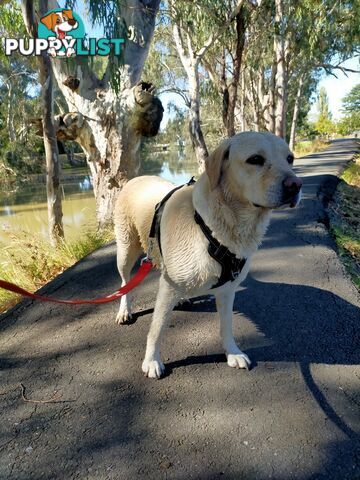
x=306, y=325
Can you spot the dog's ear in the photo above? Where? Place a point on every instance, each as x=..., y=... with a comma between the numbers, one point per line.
x=49, y=20
x=214, y=163
x=69, y=14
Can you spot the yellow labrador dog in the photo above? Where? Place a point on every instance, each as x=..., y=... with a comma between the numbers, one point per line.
x=246, y=177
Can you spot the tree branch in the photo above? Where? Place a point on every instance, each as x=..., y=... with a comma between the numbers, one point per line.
x=180, y=46
x=179, y=92
x=328, y=67
x=213, y=37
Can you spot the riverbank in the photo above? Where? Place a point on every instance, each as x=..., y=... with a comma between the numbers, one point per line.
x=31, y=262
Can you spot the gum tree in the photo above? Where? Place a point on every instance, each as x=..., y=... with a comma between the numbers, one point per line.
x=107, y=114
x=196, y=28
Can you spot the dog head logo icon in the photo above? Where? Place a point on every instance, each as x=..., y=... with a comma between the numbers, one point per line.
x=60, y=22
x=62, y=28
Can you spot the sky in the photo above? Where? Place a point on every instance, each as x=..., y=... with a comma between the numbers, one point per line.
x=337, y=88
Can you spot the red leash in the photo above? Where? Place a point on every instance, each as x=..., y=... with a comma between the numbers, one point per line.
x=145, y=267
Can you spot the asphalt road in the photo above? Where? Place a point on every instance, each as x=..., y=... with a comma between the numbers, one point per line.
x=295, y=415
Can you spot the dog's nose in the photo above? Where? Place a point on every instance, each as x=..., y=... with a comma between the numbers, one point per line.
x=292, y=185
x=71, y=22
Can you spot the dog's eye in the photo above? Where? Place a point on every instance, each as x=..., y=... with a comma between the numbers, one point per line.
x=256, y=160
x=290, y=159
x=58, y=20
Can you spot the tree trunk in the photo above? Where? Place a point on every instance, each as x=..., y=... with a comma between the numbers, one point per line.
x=271, y=110
x=10, y=115
x=56, y=230
x=280, y=78
x=55, y=214
x=296, y=113
x=196, y=134
x=191, y=66
x=231, y=93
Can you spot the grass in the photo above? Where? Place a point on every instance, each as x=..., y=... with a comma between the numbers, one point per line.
x=345, y=219
x=309, y=146
x=31, y=262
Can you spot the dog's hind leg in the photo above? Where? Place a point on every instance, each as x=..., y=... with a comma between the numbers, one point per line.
x=128, y=251
x=224, y=304
x=166, y=299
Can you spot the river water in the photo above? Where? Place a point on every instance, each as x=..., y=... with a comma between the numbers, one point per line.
x=23, y=207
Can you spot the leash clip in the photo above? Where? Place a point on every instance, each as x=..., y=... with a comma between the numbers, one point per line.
x=148, y=257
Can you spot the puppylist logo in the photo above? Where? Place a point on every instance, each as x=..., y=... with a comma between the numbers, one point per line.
x=61, y=33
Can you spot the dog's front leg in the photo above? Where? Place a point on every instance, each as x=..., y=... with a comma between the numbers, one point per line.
x=165, y=301
x=224, y=304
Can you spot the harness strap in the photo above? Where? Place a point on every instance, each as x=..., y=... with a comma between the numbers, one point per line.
x=159, y=208
x=231, y=266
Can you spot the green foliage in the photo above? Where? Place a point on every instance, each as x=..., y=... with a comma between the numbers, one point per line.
x=345, y=219
x=324, y=125
x=351, y=102
x=11, y=25
x=109, y=16
x=323, y=104
x=349, y=124
x=351, y=110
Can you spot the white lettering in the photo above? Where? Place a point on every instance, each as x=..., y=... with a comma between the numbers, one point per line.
x=69, y=43
x=41, y=45
x=22, y=46
x=11, y=44
x=55, y=43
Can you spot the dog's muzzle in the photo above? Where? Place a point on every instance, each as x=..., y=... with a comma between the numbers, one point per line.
x=291, y=191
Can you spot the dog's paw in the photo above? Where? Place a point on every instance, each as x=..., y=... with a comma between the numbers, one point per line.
x=123, y=318
x=239, y=360
x=153, y=368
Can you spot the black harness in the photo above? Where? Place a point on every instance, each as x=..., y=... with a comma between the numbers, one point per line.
x=231, y=266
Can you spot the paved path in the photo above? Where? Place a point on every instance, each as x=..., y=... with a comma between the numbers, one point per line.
x=294, y=416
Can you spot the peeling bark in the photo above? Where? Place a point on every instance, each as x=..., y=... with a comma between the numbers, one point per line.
x=111, y=139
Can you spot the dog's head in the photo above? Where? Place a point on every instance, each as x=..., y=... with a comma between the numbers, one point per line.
x=256, y=168
x=60, y=22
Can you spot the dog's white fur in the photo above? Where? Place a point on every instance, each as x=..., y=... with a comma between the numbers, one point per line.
x=224, y=196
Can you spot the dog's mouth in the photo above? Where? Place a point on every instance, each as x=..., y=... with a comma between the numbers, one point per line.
x=292, y=201
x=61, y=34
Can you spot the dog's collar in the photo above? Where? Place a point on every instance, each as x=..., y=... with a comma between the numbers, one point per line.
x=231, y=267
